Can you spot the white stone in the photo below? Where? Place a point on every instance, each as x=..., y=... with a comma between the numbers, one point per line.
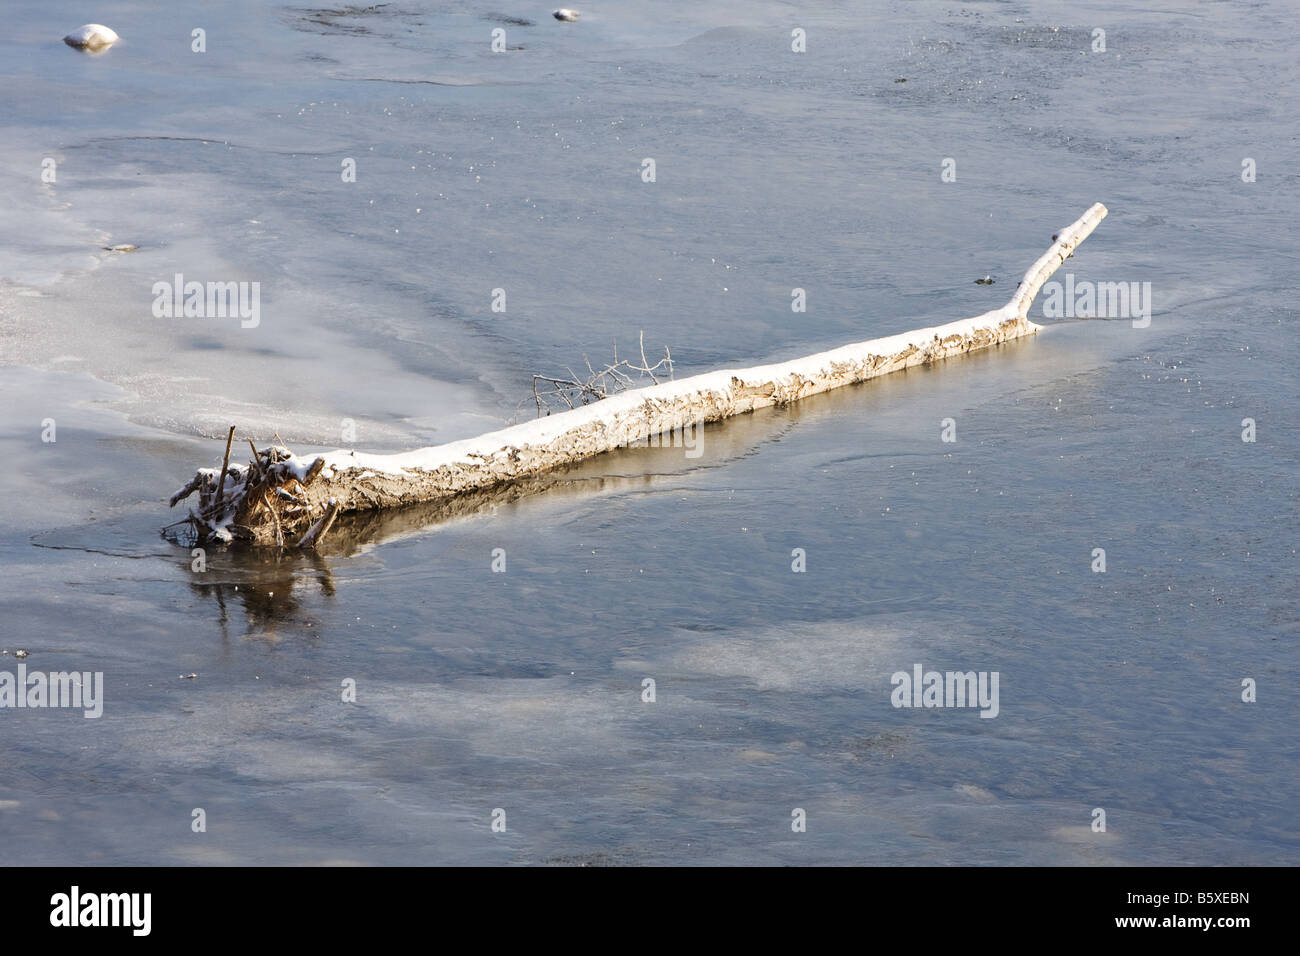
x=92, y=36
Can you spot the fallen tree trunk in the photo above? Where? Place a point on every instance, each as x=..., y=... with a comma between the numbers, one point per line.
x=281, y=499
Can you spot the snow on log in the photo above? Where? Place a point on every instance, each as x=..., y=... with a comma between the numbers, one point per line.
x=278, y=497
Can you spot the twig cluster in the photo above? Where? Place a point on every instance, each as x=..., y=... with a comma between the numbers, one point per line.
x=617, y=376
x=266, y=490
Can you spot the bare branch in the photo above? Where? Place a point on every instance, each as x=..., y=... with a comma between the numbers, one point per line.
x=618, y=376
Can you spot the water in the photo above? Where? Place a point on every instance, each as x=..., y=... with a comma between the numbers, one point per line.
x=523, y=691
